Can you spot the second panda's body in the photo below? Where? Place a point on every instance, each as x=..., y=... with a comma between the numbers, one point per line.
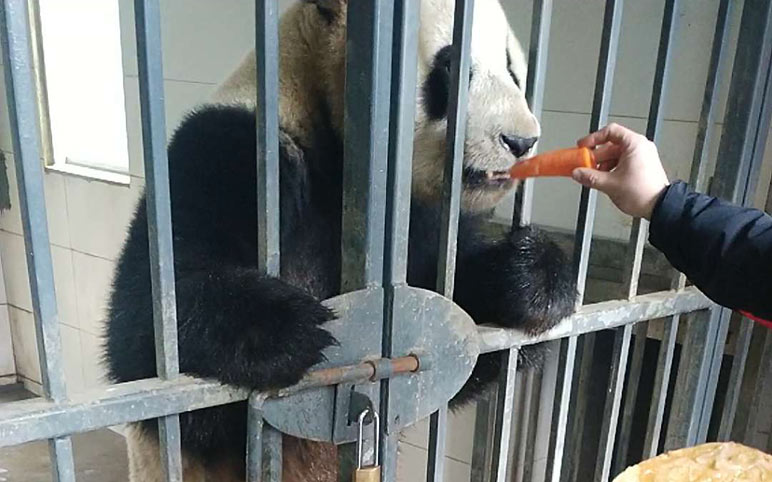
x=245, y=329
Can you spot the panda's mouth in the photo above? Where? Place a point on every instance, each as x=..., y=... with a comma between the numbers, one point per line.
x=489, y=179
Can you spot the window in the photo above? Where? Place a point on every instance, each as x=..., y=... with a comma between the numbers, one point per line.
x=80, y=87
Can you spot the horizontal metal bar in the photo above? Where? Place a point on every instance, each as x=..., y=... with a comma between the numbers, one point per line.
x=37, y=419
x=600, y=316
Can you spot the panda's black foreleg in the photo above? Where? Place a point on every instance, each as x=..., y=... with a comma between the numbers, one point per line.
x=249, y=330
x=523, y=281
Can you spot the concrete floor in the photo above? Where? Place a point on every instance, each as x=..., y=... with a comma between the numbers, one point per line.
x=99, y=456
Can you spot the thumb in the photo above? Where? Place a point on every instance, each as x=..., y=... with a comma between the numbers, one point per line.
x=591, y=178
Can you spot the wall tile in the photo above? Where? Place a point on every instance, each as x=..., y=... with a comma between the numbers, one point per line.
x=10, y=220
x=93, y=277
x=99, y=214
x=7, y=364
x=24, y=344
x=15, y=270
x=72, y=354
x=65, y=287
x=188, y=29
x=411, y=466
x=56, y=208
x=5, y=124
x=460, y=429
x=180, y=98
x=93, y=369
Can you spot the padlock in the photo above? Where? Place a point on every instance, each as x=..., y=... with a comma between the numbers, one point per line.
x=373, y=472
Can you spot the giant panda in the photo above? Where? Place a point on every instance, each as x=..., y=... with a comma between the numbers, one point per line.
x=245, y=329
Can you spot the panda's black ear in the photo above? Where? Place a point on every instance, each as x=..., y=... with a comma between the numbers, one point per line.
x=329, y=9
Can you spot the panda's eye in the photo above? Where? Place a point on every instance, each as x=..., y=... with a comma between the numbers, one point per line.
x=509, y=69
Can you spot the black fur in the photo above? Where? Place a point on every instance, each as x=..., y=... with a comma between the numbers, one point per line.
x=436, y=88
x=244, y=329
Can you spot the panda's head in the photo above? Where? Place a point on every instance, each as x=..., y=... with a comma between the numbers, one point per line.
x=500, y=127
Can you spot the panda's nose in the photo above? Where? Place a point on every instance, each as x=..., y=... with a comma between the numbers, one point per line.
x=518, y=145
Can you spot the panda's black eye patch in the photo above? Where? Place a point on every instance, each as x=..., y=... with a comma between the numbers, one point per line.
x=437, y=85
x=509, y=69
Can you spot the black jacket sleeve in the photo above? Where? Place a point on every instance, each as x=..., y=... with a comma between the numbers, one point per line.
x=724, y=249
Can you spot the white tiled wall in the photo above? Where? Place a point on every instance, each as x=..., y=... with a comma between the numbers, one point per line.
x=204, y=40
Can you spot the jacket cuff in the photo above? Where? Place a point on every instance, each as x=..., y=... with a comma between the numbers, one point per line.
x=665, y=218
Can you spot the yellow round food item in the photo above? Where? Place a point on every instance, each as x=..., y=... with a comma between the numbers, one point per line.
x=720, y=462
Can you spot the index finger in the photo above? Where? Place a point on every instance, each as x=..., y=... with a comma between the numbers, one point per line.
x=613, y=133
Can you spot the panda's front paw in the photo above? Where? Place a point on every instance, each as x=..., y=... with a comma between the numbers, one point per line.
x=540, y=290
x=291, y=335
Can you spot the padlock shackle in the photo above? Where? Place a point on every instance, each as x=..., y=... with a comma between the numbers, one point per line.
x=376, y=436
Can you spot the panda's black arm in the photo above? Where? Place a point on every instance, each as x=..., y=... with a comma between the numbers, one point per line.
x=520, y=280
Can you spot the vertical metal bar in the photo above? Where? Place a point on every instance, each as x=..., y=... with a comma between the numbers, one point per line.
x=638, y=236
x=366, y=134
x=502, y=431
x=255, y=426
x=398, y=185
x=693, y=371
x=601, y=103
x=747, y=118
x=20, y=93
x=757, y=404
x=272, y=454
x=697, y=179
x=481, y=449
x=661, y=383
x=613, y=403
x=402, y=122
x=732, y=395
x=541, y=22
x=369, y=69
x=151, y=94
x=710, y=97
x=460, y=64
x=457, y=108
x=267, y=58
x=527, y=435
x=438, y=431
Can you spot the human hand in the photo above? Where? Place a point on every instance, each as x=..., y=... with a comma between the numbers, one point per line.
x=629, y=170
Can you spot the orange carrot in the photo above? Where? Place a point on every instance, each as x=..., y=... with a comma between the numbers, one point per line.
x=555, y=163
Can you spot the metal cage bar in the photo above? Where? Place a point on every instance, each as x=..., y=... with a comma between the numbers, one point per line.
x=697, y=179
x=404, y=79
x=538, y=52
x=21, y=97
x=268, y=221
x=151, y=94
x=267, y=107
x=505, y=396
x=369, y=42
x=460, y=65
x=633, y=263
x=612, y=20
x=746, y=118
